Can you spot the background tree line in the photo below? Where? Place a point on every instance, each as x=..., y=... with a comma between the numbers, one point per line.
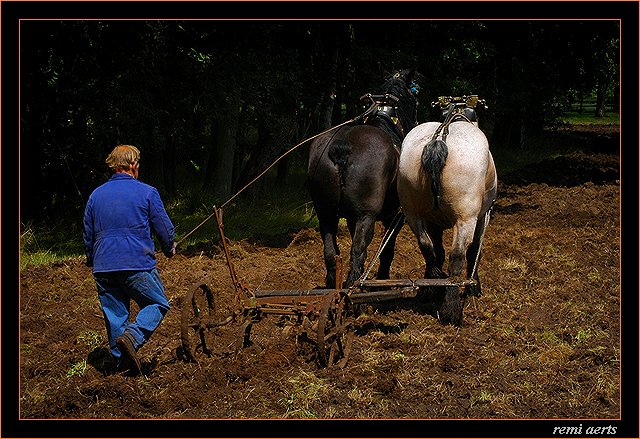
x=212, y=103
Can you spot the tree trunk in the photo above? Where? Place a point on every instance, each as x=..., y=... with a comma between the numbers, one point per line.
x=329, y=95
x=169, y=166
x=600, y=99
x=219, y=173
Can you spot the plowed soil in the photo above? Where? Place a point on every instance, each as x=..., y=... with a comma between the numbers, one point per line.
x=542, y=342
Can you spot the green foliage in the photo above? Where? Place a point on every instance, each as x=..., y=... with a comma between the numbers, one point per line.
x=91, y=339
x=165, y=86
x=78, y=369
x=43, y=243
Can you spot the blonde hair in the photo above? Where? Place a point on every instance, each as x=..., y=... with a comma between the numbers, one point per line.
x=123, y=157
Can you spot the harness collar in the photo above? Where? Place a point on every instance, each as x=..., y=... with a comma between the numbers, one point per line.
x=389, y=113
x=386, y=107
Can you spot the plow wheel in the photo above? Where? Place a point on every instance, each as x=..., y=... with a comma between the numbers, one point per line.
x=334, y=331
x=199, y=323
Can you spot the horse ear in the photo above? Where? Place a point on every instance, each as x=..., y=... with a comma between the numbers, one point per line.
x=410, y=76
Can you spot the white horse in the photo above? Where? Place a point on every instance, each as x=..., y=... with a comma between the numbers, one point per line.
x=447, y=179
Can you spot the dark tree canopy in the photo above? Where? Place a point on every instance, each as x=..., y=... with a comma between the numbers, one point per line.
x=211, y=103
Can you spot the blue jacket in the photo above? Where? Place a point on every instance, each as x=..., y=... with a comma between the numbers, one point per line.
x=118, y=220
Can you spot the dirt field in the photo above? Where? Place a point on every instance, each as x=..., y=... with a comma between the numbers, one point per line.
x=542, y=342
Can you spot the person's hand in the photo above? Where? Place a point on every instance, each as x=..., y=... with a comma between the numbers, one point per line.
x=173, y=250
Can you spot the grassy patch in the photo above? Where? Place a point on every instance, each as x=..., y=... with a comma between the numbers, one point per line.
x=91, y=339
x=78, y=369
x=514, y=265
x=45, y=243
x=482, y=397
x=587, y=117
x=270, y=212
x=304, y=391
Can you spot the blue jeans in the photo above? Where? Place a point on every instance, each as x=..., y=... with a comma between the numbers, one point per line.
x=116, y=290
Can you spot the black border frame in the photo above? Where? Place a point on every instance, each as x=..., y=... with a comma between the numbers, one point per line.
x=13, y=11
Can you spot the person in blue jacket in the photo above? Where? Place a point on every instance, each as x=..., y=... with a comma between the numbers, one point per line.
x=119, y=218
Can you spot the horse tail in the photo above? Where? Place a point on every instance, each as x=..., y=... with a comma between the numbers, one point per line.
x=339, y=152
x=434, y=156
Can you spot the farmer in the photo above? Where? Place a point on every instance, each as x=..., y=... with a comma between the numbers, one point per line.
x=118, y=220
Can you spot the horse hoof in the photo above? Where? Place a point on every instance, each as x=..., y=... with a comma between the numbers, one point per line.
x=450, y=312
x=473, y=290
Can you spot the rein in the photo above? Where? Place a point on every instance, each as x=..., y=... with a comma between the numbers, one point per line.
x=366, y=113
x=487, y=217
x=372, y=108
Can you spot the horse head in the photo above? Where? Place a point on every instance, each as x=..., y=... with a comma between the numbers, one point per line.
x=400, y=103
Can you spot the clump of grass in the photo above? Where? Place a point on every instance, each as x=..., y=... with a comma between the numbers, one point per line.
x=37, y=258
x=594, y=276
x=361, y=397
x=514, y=265
x=78, y=369
x=398, y=356
x=549, y=337
x=482, y=397
x=30, y=254
x=91, y=339
x=582, y=335
x=306, y=390
x=34, y=394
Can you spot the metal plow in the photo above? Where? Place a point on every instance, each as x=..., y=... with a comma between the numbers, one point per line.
x=322, y=317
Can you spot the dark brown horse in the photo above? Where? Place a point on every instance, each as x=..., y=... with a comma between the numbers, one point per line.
x=352, y=175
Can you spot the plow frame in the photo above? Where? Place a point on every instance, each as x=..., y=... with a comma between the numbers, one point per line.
x=322, y=316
